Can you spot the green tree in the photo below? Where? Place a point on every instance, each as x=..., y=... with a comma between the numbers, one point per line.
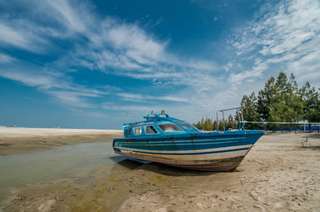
x=205, y=124
x=281, y=100
x=266, y=99
x=311, y=103
x=208, y=125
x=287, y=104
x=249, y=109
x=215, y=125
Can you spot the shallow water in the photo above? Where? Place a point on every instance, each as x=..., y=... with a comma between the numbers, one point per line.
x=42, y=166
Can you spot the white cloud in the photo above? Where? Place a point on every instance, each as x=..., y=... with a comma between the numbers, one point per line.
x=108, y=43
x=307, y=68
x=24, y=35
x=130, y=108
x=5, y=58
x=285, y=37
x=53, y=84
x=72, y=16
x=72, y=98
x=126, y=49
x=256, y=72
x=145, y=98
x=11, y=36
x=135, y=41
x=32, y=78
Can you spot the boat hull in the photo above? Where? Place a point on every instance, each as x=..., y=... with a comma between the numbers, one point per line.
x=207, y=152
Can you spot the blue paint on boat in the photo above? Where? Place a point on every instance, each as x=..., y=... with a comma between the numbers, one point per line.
x=164, y=139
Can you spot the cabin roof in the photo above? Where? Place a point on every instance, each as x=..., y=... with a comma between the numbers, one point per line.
x=154, y=118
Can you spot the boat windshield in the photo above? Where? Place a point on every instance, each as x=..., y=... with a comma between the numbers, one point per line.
x=187, y=126
x=169, y=127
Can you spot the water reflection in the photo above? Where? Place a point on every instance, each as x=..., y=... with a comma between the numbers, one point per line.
x=65, y=161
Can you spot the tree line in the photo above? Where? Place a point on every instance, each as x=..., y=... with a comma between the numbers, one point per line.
x=281, y=100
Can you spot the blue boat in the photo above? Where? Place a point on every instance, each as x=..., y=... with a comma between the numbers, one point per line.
x=164, y=139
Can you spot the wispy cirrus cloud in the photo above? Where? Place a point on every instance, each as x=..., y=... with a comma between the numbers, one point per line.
x=106, y=45
x=74, y=17
x=127, y=50
x=15, y=36
x=256, y=71
x=285, y=37
x=142, y=98
x=53, y=84
x=4, y=58
x=73, y=37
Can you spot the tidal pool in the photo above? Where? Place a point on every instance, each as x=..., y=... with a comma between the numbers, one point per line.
x=42, y=166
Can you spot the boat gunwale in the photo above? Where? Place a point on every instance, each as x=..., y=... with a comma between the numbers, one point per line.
x=193, y=136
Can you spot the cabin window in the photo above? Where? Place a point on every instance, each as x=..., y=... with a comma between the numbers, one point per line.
x=169, y=127
x=150, y=130
x=137, y=130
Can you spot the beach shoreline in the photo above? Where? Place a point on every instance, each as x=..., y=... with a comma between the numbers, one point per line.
x=15, y=140
x=279, y=174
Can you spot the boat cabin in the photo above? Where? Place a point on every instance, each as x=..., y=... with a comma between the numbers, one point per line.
x=158, y=125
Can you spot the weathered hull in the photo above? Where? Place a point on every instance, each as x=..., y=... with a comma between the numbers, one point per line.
x=203, y=164
x=222, y=152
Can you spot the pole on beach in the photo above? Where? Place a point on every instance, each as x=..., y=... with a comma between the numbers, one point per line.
x=228, y=109
x=224, y=123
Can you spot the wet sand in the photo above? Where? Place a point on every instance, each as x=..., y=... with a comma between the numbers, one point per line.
x=19, y=140
x=279, y=174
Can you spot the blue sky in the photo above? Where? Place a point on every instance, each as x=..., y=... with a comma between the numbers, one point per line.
x=97, y=64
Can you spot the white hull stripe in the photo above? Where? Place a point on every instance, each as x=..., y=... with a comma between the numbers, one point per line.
x=212, y=150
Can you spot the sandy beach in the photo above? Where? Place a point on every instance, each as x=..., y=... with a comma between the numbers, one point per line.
x=279, y=174
x=17, y=140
